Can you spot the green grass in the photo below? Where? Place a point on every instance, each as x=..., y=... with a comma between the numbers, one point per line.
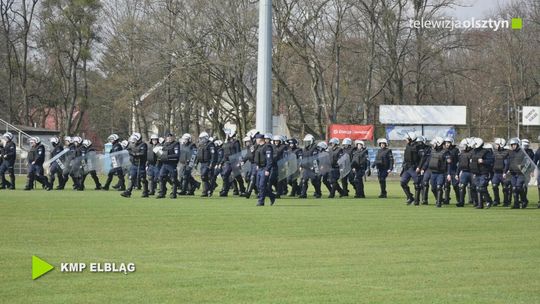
x=194, y=250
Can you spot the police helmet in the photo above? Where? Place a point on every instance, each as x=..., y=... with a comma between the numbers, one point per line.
x=421, y=139
x=251, y=133
x=382, y=141
x=247, y=138
x=322, y=145
x=124, y=143
x=268, y=136
x=284, y=138
x=464, y=143
x=154, y=136
x=525, y=143
x=277, y=138
x=347, y=142
x=112, y=138
x=33, y=140
x=449, y=140
x=478, y=143
x=218, y=143
x=161, y=140
x=437, y=141
x=488, y=146
x=293, y=141
x=54, y=140
x=204, y=135
x=500, y=141
x=411, y=135
x=514, y=141
x=8, y=136
x=87, y=143
x=77, y=140
x=309, y=139
x=360, y=142
x=133, y=139
x=334, y=141
x=229, y=133
x=186, y=137
x=137, y=136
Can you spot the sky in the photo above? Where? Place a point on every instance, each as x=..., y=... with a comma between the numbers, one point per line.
x=476, y=8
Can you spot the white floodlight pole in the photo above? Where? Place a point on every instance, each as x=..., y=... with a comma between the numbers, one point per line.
x=264, y=68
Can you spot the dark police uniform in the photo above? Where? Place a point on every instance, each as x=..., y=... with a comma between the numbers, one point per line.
x=515, y=161
x=189, y=184
x=359, y=165
x=293, y=179
x=481, y=172
x=56, y=167
x=8, y=155
x=229, y=148
x=207, y=158
x=336, y=153
x=152, y=169
x=86, y=153
x=310, y=166
x=251, y=174
x=500, y=157
x=118, y=171
x=453, y=159
x=138, y=153
x=36, y=158
x=280, y=152
x=425, y=173
x=439, y=167
x=264, y=160
x=411, y=162
x=168, y=172
x=349, y=150
x=384, y=162
x=466, y=178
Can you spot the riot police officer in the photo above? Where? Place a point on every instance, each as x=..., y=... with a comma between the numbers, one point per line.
x=88, y=156
x=481, y=166
x=464, y=173
x=68, y=160
x=190, y=151
x=251, y=174
x=280, y=152
x=293, y=179
x=384, y=162
x=207, y=158
x=500, y=159
x=264, y=161
x=36, y=158
x=438, y=164
x=169, y=157
x=138, y=151
x=514, y=165
x=230, y=147
x=151, y=163
x=115, y=170
x=450, y=181
x=56, y=167
x=336, y=152
x=348, y=149
x=309, y=166
x=411, y=169
x=359, y=165
x=8, y=156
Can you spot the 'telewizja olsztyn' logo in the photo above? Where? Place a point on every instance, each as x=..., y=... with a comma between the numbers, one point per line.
x=473, y=23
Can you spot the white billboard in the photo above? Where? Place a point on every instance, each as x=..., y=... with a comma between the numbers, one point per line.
x=430, y=132
x=531, y=116
x=423, y=115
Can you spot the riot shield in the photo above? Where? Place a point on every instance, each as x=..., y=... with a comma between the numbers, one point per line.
x=344, y=163
x=287, y=166
x=318, y=164
x=90, y=162
x=58, y=159
x=235, y=161
x=185, y=155
x=107, y=162
x=193, y=158
x=527, y=166
x=324, y=163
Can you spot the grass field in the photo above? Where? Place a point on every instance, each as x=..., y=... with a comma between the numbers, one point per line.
x=212, y=250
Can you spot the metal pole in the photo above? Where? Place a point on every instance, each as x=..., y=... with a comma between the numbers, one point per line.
x=264, y=68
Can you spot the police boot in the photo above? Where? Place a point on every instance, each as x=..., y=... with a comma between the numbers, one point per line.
x=480, y=200
x=235, y=187
x=303, y=189
x=317, y=186
x=524, y=200
x=153, y=185
x=345, y=186
x=473, y=196
x=461, y=196
x=127, y=192
x=446, y=200
x=12, y=181
x=507, y=194
x=241, y=186
x=29, y=183
x=293, y=189
x=145, y=188
x=408, y=194
x=249, y=190
x=487, y=199
x=96, y=181
x=517, y=203
x=439, y=196
x=382, y=184
x=121, y=183
x=417, y=191
x=3, y=183
x=162, y=188
x=425, y=194
x=174, y=190
x=361, y=189
x=496, y=196
x=107, y=183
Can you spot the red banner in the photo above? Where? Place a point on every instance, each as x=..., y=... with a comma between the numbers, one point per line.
x=354, y=132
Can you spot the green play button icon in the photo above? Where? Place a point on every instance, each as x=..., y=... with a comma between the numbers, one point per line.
x=40, y=267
